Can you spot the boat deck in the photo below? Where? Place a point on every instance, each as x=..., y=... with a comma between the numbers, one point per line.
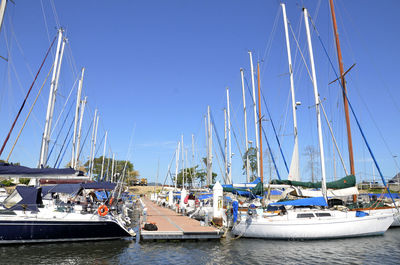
x=174, y=226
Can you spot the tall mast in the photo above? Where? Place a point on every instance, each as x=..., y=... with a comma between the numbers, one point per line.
x=91, y=145
x=343, y=81
x=177, y=163
x=229, y=179
x=294, y=173
x=78, y=103
x=94, y=145
x=112, y=168
x=259, y=123
x=183, y=164
x=79, y=134
x=226, y=147
x=3, y=6
x=46, y=133
x=104, y=155
x=245, y=129
x=317, y=104
x=255, y=113
x=209, y=137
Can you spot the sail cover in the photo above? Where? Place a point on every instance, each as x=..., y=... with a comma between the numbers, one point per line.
x=316, y=201
x=346, y=182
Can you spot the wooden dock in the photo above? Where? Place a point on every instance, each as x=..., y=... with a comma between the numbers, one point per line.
x=174, y=226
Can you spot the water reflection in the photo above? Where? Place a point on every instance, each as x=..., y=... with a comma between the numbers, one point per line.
x=371, y=250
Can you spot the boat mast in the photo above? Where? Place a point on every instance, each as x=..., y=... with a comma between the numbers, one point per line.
x=104, y=155
x=183, y=164
x=229, y=177
x=79, y=134
x=78, y=103
x=50, y=106
x=92, y=144
x=343, y=81
x=259, y=123
x=177, y=163
x=226, y=147
x=294, y=173
x=3, y=6
x=245, y=129
x=112, y=168
x=209, y=160
x=317, y=104
x=255, y=113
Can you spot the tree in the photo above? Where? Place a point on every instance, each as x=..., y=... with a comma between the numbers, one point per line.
x=119, y=166
x=252, y=153
x=311, y=152
x=194, y=174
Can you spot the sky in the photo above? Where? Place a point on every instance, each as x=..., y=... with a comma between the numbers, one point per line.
x=153, y=67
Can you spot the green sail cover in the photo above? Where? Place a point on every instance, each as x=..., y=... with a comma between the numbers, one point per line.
x=346, y=182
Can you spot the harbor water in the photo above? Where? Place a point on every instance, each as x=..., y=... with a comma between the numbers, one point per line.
x=367, y=250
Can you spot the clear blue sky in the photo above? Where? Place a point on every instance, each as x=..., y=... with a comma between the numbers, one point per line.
x=152, y=67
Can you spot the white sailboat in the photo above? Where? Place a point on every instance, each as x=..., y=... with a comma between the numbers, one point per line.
x=315, y=221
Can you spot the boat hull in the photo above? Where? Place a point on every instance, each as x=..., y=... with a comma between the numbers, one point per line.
x=314, y=228
x=31, y=231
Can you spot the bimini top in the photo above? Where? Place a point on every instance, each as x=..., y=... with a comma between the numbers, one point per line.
x=12, y=170
x=316, y=201
x=24, y=198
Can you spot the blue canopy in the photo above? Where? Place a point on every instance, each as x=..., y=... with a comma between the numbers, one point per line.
x=10, y=169
x=62, y=188
x=99, y=185
x=316, y=201
x=204, y=196
x=30, y=198
x=386, y=195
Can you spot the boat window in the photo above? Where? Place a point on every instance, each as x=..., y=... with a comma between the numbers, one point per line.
x=322, y=214
x=305, y=215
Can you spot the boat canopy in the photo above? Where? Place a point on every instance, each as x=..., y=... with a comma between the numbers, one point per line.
x=316, y=201
x=24, y=198
x=346, y=182
x=99, y=185
x=61, y=188
x=7, y=169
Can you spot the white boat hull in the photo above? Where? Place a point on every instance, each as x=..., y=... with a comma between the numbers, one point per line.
x=339, y=225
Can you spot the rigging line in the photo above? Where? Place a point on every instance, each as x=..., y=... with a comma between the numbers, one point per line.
x=45, y=20
x=273, y=126
x=65, y=104
x=19, y=47
x=29, y=113
x=270, y=39
x=59, y=133
x=62, y=146
x=53, y=6
x=26, y=97
x=102, y=140
x=84, y=141
x=66, y=148
x=270, y=152
x=355, y=117
x=276, y=135
x=216, y=132
x=219, y=165
x=168, y=172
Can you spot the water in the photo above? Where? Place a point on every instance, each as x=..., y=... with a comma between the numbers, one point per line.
x=367, y=250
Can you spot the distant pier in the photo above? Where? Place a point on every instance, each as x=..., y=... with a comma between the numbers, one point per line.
x=174, y=226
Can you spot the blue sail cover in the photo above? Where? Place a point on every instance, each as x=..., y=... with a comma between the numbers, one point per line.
x=99, y=185
x=316, y=201
x=30, y=198
x=10, y=169
x=62, y=188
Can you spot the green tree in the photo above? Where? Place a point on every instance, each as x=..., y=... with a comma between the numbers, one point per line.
x=252, y=153
x=118, y=167
x=194, y=174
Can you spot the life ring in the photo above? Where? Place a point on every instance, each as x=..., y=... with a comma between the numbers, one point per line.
x=102, y=210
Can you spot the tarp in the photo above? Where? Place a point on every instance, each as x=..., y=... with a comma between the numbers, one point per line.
x=346, y=182
x=99, y=185
x=316, y=201
x=61, y=188
x=12, y=170
x=102, y=195
x=386, y=195
x=30, y=198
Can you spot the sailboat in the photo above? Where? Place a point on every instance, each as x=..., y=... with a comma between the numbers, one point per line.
x=310, y=218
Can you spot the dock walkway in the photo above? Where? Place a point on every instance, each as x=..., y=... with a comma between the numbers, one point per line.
x=174, y=226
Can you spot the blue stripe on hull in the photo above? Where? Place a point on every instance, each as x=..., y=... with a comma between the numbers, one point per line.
x=48, y=231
